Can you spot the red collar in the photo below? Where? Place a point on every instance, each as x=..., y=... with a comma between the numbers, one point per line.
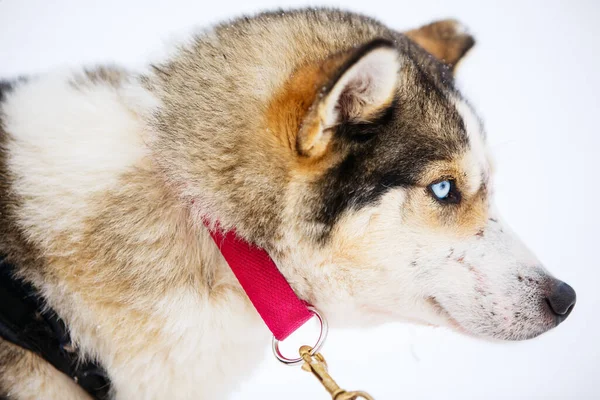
x=268, y=290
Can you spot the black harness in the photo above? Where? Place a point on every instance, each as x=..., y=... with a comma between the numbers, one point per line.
x=28, y=323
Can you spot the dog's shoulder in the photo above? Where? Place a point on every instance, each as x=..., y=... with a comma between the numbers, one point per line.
x=65, y=137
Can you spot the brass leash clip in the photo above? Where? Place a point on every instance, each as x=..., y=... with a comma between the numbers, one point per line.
x=313, y=361
x=316, y=364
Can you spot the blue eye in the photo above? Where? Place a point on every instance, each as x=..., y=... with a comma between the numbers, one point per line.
x=441, y=190
x=445, y=191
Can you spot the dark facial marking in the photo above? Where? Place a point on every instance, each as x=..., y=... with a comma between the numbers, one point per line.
x=421, y=126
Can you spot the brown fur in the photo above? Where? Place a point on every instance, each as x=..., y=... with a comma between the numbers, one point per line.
x=443, y=40
x=291, y=104
x=112, y=76
x=261, y=156
x=23, y=373
x=213, y=151
x=25, y=376
x=464, y=219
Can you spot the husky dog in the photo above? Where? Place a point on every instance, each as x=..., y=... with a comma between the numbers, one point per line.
x=340, y=146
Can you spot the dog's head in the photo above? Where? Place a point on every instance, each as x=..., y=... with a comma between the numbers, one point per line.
x=358, y=165
x=389, y=207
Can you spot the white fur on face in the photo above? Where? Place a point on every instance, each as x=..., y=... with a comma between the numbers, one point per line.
x=381, y=264
x=479, y=167
x=379, y=268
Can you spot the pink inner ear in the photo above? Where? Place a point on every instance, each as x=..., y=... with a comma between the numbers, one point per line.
x=353, y=99
x=365, y=87
x=362, y=90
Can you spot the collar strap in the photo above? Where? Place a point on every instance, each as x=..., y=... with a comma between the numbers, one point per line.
x=279, y=307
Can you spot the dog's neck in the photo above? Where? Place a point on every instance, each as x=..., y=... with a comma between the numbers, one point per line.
x=214, y=122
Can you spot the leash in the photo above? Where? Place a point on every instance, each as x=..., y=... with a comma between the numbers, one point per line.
x=279, y=307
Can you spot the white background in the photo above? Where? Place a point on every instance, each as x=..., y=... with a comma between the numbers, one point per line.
x=534, y=78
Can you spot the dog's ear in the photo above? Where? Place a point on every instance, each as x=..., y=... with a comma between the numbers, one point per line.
x=361, y=84
x=446, y=40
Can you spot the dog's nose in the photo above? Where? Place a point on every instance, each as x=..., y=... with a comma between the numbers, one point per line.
x=561, y=300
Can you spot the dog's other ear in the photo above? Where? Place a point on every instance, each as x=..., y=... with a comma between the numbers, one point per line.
x=358, y=89
x=446, y=40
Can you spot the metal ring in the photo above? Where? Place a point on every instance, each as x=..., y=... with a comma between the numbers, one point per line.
x=322, y=336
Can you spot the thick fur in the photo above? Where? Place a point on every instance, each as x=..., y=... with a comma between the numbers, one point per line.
x=315, y=135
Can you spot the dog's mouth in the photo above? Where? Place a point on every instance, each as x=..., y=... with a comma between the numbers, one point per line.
x=442, y=312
